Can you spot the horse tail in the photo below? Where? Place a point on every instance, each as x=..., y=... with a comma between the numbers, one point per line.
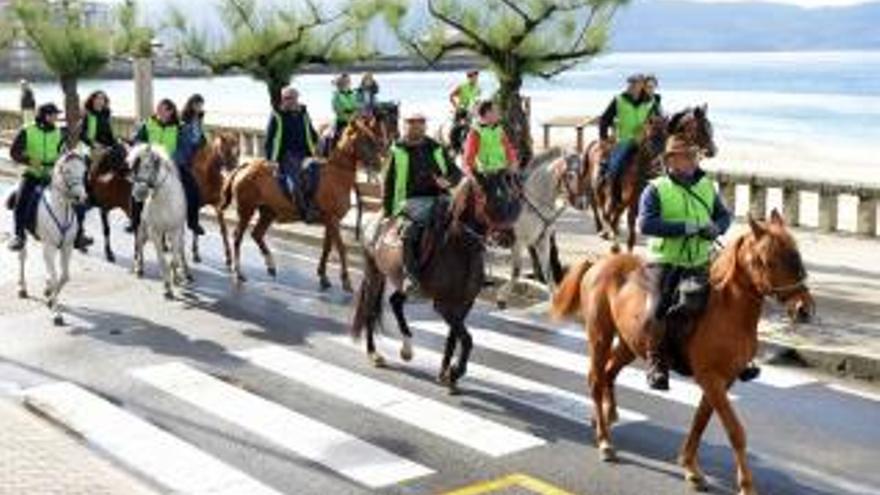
x=226, y=194
x=368, y=309
x=568, y=297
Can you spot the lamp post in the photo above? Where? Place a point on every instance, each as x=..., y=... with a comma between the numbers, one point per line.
x=142, y=67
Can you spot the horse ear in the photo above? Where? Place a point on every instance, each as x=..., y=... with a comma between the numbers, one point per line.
x=705, y=109
x=757, y=229
x=776, y=218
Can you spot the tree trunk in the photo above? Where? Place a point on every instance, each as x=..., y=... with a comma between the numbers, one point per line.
x=71, y=109
x=513, y=114
x=275, y=88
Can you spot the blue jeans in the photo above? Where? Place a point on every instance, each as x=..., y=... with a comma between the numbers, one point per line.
x=619, y=159
x=289, y=170
x=191, y=191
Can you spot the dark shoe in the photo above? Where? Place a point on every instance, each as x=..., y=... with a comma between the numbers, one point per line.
x=16, y=243
x=658, y=372
x=312, y=215
x=751, y=372
x=82, y=242
x=198, y=230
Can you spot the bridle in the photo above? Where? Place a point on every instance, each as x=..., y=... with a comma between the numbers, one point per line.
x=153, y=181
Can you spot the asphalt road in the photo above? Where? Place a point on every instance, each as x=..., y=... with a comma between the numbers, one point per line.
x=265, y=380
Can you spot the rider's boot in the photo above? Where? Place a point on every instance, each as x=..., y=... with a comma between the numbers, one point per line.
x=658, y=369
x=135, y=222
x=616, y=193
x=308, y=212
x=82, y=241
x=411, y=263
x=16, y=243
x=751, y=372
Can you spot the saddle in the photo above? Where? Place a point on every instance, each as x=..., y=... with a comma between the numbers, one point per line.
x=417, y=232
x=685, y=294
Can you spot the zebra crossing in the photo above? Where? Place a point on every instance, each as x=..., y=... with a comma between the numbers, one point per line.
x=179, y=465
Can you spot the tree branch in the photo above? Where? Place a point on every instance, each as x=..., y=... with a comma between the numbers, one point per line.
x=460, y=27
x=516, y=8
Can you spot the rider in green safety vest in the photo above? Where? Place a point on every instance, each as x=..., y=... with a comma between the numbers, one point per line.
x=345, y=105
x=161, y=129
x=37, y=146
x=419, y=171
x=626, y=114
x=682, y=215
x=463, y=98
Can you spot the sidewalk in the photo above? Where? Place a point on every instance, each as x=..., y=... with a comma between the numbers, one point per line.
x=38, y=458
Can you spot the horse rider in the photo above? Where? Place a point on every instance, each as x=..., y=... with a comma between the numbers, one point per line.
x=463, y=98
x=191, y=139
x=367, y=92
x=345, y=105
x=650, y=93
x=37, y=146
x=682, y=215
x=161, y=129
x=627, y=114
x=290, y=140
x=418, y=173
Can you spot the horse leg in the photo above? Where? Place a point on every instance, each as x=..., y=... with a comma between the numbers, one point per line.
x=139, y=241
x=179, y=253
x=53, y=285
x=467, y=344
x=599, y=322
x=445, y=376
x=322, y=263
x=22, y=285
x=515, y=271
x=259, y=236
x=621, y=355
x=343, y=259
x=245, y=213
x=105, y=225
x=715, y=390
x=159, y=243
x=544, y=259
x=397, y=301
x=66, y=253
x=688, y=457
x=631, y=214
x=221, y=220
x=195, y=249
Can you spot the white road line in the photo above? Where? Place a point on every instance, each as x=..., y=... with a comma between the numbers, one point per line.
x=862, y=394
x=682, y=392
x=771, y=376
x=435, y=417
x=170, y=462
x=311, y=439
x=551, y=400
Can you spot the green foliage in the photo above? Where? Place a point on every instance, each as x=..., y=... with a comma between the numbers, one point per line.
x=133, y=39
x=69, y=48
x=271, y=43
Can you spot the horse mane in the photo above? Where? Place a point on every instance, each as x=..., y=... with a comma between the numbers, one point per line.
x=675, y=121
x=724, y=267
x=139, y=148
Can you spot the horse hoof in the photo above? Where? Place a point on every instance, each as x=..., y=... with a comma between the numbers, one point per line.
x=58, y=320
x=502, y=304
x=110, y=257
x=615, y=248
x=325, y=284
x=22, y=294
x=697, y=482
x=169, y=296
x=273, y=272
x=607, y=454
x=346, y=286
x=47, y=292
x=406, y=352
x=197, y=258
x=377, y=360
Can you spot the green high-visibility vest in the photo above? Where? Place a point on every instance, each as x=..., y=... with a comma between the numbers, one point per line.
x=491, y=158
x=91, y=127
x=679, y=205
x=631, y=118
x=345, y=105
x=165, y=136
x=401, y=175
x=468, y=94
x=42, y=151
x=279, y=133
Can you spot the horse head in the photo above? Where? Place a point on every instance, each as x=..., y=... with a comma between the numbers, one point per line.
x=366, y=142
x=225, y=147
x=146, y=163
x=773, y=266
x=388, y=114
x=694, y=125
x=69, y=177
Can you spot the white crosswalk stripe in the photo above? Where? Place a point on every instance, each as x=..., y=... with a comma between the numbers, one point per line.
x=168, y=461
x=440, y=419
x=681, y=391
x=546, y=398
x=345, y=454
x=857, y=392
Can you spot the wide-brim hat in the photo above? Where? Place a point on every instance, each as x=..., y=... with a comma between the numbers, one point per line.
x=678, y=146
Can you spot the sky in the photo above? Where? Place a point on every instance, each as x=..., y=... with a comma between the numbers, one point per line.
x=802, y=3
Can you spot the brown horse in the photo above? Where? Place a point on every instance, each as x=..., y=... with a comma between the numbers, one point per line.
x=109, y=188
x=617, y=299
x=254, y=188
x=692, y=124
x=451, y=277
x=213, y=160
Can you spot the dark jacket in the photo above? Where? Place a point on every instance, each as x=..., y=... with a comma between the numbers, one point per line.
x=18, y=151
x=651, y=222
x=423, y=171
x=293, y=134
x=189, y=142
x=27, y=99
x=606, y=120
x=104, y=131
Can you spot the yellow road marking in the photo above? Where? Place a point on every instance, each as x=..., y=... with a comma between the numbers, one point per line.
x=518, y=480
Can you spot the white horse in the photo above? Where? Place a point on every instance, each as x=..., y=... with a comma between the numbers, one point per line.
x=56, y=227
x=158, y=185
x=534, y=228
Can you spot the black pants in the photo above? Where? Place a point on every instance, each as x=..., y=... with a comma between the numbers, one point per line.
x=191, y=190
x=27, y=191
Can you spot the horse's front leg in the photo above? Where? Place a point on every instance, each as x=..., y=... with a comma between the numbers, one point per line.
x=105, y=226
x=139, y=240
x=322, y=263
x=22, y=284
x=544, y=259
x=194, y=248
x=259, y=236
x=515, y=270
x=715, y=390
x=343, y=259
x=182, y=273
x=224, y=234
x=159, y=243
x=245, y=213
x=688, y=457
x=53, y=286
x=397, y=301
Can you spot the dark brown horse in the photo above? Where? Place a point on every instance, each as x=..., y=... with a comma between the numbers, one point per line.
x=452, y=278
x=109, y=188
x=616, y=298
x=210, y=165
x=255, y=189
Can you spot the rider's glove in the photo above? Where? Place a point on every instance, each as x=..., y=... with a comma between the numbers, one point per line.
x=709, y=231
x=691, y=228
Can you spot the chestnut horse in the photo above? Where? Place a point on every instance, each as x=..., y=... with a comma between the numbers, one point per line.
x=209, y=167
x=109, y=188
x=692, y=124
x=617, y=299
x=255, y=189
